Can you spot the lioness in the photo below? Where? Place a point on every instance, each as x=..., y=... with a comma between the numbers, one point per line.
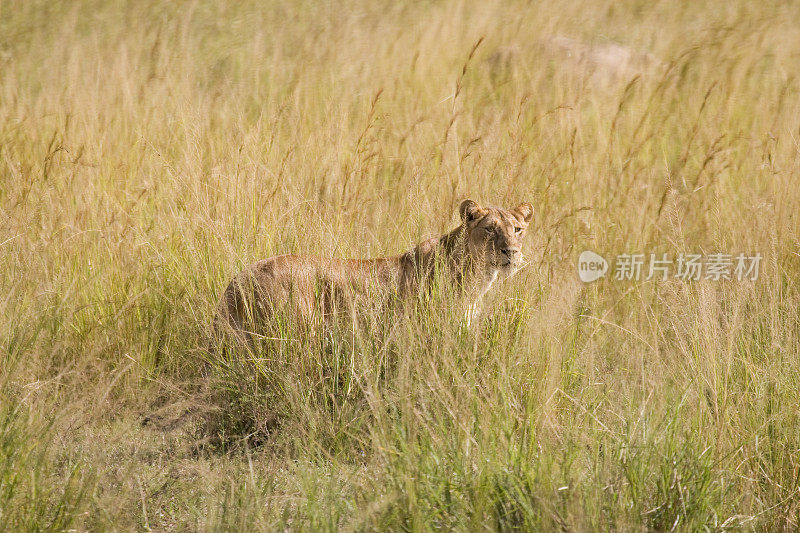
x=486, y=245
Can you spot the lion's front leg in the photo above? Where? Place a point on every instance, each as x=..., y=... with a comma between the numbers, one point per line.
x=472, y=313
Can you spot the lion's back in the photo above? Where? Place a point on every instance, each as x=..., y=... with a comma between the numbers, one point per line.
x=302, y=286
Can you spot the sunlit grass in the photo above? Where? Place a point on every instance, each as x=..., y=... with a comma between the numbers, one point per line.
x=148, y=151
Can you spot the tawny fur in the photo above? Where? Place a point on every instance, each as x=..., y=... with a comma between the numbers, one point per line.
x=485, y=246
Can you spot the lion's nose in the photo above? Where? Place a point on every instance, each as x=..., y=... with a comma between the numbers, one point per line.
x=511, y=253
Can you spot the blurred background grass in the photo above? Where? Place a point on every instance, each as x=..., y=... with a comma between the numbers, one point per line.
x=149, y=150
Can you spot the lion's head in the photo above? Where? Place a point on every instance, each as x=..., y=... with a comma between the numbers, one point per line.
x=493, y=235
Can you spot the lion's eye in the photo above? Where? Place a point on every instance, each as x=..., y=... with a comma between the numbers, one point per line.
x=518, y=230
x=489, y=229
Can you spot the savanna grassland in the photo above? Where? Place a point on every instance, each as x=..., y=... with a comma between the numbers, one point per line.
x=149, y=150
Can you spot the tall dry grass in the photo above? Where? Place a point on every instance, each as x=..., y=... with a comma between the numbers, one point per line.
x=148, y=151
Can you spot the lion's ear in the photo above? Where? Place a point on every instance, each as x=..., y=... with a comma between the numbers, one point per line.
x=470, y=210
x=524, y=212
